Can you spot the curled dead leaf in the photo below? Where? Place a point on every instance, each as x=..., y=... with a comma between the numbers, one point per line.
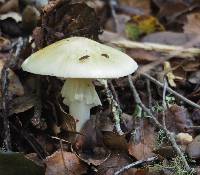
x=64, y=163
x=15, y=87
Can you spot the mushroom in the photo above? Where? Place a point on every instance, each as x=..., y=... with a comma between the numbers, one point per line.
x=80, y=60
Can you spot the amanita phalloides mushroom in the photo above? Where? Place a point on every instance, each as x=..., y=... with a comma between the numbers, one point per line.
x=80, y=60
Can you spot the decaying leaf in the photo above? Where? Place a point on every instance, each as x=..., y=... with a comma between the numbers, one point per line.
x=194, y=78
x=64, y=163
x=144, y=148
x=15, y=87
x=21, y=104
x=11, y=5
x=192, y=25
x=114, y=163
x=142, y=25
x=143, y=6
x=114, y=141
x=178, y=119
x=16, y=163
x=4, y=43
x=170, y=76
x=193, y=149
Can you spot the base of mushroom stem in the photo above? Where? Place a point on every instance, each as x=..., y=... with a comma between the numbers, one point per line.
x=82, y=115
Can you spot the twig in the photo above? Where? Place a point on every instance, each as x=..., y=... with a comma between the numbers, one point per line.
x=168, y=49
x=171, y=91
x=164, y=102
x=135, y=164
x=114, y=92
x=112, y=4
x=129, y=10
x=194, y=127
x=167, y=132
x=115, y=108
x=149, y=93
x=5, y=107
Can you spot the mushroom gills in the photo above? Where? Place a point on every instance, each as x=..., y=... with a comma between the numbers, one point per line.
x=80, y=96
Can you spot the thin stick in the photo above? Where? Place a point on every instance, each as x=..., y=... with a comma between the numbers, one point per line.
x=167, y=132
x=112, y=4
x=149, y=93
x=171, y=91
x=114, y=92
x=168, y=49
x=135, y=164
x=116, y=110
x=164, y=102
x=5, y=108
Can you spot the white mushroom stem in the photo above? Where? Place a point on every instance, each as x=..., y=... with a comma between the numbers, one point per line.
x=80, y=95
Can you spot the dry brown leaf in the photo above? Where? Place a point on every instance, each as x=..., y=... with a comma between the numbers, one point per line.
x=178, y=119
x=15, y=87
x=115, y=163
x=143, y=56
x=144, y=5
x=11, y=5
x=170, y=10
x=194, y=78
x=140, y=151
x=71, y=164
x=193, y=150
x=4, y=43
x=192, y=25
x=22, y=104
x=144, y=148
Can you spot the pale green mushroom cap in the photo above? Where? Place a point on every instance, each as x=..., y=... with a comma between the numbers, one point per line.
x=79, y=57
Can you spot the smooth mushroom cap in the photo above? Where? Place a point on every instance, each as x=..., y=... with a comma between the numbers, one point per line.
x=79, y=57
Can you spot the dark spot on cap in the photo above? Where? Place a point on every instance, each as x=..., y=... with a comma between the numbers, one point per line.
x=105, y=55
x=84, y=58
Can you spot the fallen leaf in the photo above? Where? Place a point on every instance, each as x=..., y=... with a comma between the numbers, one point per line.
x=178, y=119
x=143, y=56
x=191, y=66
x=166, y=152
x=15, y=87
x=71, y=164
x=144, y=148
x=16, y=163
x=21, y=104
x=115, y=163
x=144, y=5
x=170, y=76
x=142, y=25
x=192, y=25
x=193, y=149
x=4, y=43
x=114, y=141
x=11, y=5
x=194, y=78
x=170, y=10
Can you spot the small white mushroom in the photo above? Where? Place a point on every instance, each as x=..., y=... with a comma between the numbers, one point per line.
x=80, y=60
